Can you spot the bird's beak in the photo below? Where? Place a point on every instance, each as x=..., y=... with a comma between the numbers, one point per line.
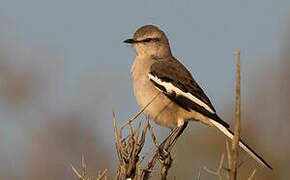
x=130, y=41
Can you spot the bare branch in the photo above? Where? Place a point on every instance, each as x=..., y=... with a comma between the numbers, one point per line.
x=162, y=152
x=102, y=175
x=77, y=173
x=252, y=175
x=83, y=174
x=235, y=142
x=199, y=174
x=129, y=147
x=218, y=171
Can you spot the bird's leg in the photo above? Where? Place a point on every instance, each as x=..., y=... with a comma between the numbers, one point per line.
x=162, y=148
x=168, y=138
x=180, y=131
x=164, y=152
x=161, y=153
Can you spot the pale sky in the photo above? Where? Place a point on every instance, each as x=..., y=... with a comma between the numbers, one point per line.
x=85, y=38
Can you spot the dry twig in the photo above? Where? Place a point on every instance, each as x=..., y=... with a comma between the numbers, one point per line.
x=252, y=175
x=232, y=153
x=129, y=147
x=162, y=152
x=83, y=174
x=236, y=139
x=199, y=174
x=128, y=150
x=218, y=171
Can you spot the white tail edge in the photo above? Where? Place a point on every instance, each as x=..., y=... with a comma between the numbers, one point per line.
x=243, y=145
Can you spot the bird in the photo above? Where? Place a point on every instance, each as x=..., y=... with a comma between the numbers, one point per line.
x=179, y=99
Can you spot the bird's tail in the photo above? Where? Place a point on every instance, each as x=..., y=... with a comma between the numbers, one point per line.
x=243, y=145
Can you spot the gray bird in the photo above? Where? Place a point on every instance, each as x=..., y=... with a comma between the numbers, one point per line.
x=155, y=70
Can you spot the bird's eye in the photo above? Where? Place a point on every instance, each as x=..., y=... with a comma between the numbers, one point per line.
x=147, y=40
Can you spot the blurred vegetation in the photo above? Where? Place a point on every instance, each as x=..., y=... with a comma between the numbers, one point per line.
x=45, y=142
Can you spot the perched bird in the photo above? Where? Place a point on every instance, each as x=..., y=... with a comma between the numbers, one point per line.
x=181, y=99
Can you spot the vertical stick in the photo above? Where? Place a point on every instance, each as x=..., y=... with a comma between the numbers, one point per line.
x=236, y=139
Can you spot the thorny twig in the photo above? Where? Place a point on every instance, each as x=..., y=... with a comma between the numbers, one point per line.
x=128, y=151
x=218, y=171
x=83, y=174
x=252, y=175
x=129, y=147
x=162, y=152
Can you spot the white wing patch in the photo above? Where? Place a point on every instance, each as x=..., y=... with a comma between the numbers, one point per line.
x=171, y=88
x=222, y=128
x=243, y=146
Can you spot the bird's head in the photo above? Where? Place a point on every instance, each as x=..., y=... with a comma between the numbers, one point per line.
x=150, y=41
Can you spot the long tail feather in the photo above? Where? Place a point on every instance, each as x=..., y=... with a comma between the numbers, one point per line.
x=243, y=145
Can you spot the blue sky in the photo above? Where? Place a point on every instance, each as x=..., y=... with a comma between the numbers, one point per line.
x=203, y=34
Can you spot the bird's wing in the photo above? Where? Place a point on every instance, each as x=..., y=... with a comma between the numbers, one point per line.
x=174, y=80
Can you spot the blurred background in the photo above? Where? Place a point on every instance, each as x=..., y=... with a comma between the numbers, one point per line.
x=64, y=68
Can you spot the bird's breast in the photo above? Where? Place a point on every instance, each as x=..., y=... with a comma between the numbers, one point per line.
x=161, y=110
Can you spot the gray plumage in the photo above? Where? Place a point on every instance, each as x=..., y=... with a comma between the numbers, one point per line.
x=155, y=70
x=171, y=70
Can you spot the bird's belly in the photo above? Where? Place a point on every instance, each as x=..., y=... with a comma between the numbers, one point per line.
x=163, y=111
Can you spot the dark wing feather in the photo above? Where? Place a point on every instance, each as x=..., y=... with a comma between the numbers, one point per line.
x=172, y=71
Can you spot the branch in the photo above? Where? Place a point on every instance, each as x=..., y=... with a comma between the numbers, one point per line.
x=83, y=174
x=218, y=171
x=129, y=148
x=236, y=139
x=162, y=152
x=252, y=175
